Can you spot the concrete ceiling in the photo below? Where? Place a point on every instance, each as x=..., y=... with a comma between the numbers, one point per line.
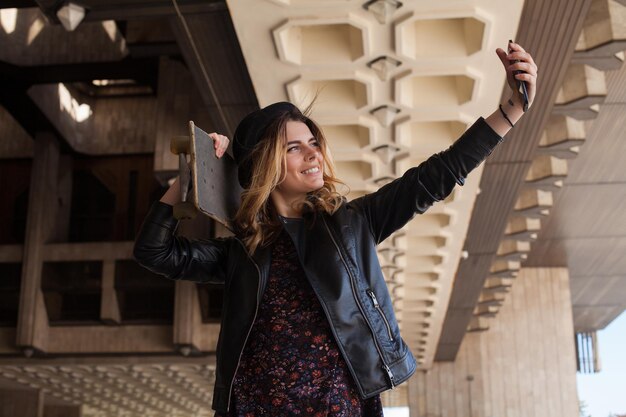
x=393, y=89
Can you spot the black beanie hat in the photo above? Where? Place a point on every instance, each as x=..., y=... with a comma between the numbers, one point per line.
x=250, y=131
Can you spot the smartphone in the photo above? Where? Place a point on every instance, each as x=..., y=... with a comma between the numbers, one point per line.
x=520, y=84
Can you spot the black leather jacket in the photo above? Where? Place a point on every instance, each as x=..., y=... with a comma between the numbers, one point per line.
x=338, y=255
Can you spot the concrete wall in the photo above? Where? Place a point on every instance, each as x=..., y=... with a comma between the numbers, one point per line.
x=524, y=365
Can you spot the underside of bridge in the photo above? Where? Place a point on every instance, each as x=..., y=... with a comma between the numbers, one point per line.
x=489, y=287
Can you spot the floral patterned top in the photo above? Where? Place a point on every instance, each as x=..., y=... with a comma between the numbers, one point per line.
x=291, y=365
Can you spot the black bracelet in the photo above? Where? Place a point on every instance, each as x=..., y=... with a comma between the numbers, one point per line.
x=505, y=116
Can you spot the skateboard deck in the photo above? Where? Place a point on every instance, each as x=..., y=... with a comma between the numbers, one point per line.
x=208, y=183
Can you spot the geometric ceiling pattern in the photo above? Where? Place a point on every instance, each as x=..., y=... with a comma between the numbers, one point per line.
x=123, y=390
x=393, y=83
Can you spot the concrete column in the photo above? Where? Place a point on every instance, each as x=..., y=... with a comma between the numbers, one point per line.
x=109, y=306
x=187, y=312
x=175, y=85
x=32, y=326
x=524, y=364
x=61, y=225
x=187, y=317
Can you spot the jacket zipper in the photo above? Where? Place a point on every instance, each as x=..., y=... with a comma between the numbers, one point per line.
x=332, y=329
x=230, y=390
x=380, y=310
x=356, y=298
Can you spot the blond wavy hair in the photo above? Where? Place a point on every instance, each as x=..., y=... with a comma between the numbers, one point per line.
x=256, y=221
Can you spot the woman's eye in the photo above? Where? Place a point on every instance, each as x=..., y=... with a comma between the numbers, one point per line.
x=291, y=148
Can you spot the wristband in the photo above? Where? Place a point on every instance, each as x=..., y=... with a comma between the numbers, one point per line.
x=505, y=116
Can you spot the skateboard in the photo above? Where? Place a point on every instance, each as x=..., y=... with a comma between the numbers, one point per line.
x=208, y=185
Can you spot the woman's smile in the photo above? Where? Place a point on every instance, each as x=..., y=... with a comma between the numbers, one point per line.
x=312, y=171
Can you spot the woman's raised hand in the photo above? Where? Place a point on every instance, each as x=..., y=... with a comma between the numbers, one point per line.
x=221, y=143
x=528, y=67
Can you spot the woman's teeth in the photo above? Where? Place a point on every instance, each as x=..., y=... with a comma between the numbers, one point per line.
x=311, y=170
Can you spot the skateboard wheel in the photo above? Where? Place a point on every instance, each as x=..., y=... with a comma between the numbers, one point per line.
x=180, y=144
x=185, y=210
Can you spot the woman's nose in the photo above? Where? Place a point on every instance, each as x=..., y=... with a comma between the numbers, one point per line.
x=311, y=154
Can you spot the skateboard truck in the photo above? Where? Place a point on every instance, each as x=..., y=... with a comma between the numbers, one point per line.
x=180, y=145
x=207, y=184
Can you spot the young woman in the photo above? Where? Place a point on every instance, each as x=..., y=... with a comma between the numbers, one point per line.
x=307, y=325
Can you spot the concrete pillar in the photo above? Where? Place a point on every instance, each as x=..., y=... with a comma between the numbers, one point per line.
x=61, y=225
x=109, y=306
x=187, y=317
x=173, y=111
x=32, y=326
x=187, y=313
x=522, y=363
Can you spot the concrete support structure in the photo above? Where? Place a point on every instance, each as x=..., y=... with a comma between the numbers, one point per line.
x=50, y=410
x=21, y=402
x=109, y=307
x=524, y=365
x=187, y=317
x=397, y=82
x=32, y=328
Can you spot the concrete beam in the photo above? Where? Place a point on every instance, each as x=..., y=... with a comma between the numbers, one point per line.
x=522, y=228
x=57, y=410
x=583, y=88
